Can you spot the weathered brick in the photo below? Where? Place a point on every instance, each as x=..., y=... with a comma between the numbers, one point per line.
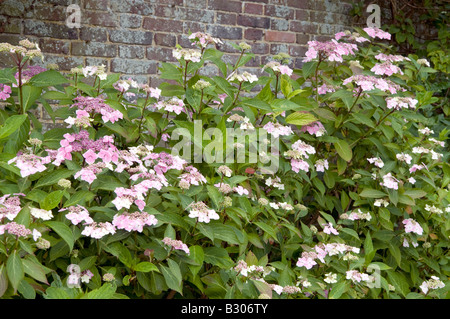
x=131, y=37
x=181, y=13
x=164, y=39
x=297, y=51
x=47, y=12
x=65, y=63
x=99, y=18
x=128, y=66
x=54, y=46
x=132, y=51
x=302, y=15
x=229, y=5
x=160, y=54
x=260, y=48
x=303, y=26
x=279, y=36
x=276, y=48
x=302, y=4
x=302, y=38
x=10, y=25
x=195, y=3
x=231, y=33
x=253, y=21
x=94, y=49
x=279, y=11
x=254, y=8
x=253, y=34
x=141, y=7
x=279, y=24
x=49, y=29
x=96, y=34
x=192, y=27
x=96, y=4
x=164, y=25
x=132, y=21
x=226, y=18
x=96, y=61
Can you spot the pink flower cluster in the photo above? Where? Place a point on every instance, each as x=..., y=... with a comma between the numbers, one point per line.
x=202, y=212
x=330, y=50
x=102, y=148
x=28, y=73
x=191, y=177
x=98, y=230
x=77, y=214
x=276, y=129
x=15, y=229
x=133, y=221
x=389, y=181
x=203, y=39
x=5, y=92
x=10, y=206
x=315, y=128
x=30, y=164
x=320, y=251
x=325, y=88
x=386, y=68
x=377, y=33
x=175, y=105
x=368, y=83
x=411, y=226
x=176, y=244
x=278, y=67
x=96, y=105
x=399, y=103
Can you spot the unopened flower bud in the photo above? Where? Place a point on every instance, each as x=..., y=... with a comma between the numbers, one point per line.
x=108, y=277
x=64, y=183
x=43, y=243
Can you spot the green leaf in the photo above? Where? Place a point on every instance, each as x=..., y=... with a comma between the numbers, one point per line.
x=308, y=68
x=372, y=193
x=14, y=269
x=215, y=195
x=146, y=266
x=52, y=200
x=172, y=275
x=26, y=290
x=198, y=256
x=11, y=125
x=258, y=104
x=53, y=177
x=300, y=118
x=7, y=75
x=48, y=78
x=34, y=270
x=104, y=292
x=3, y=280
x=79, y=197
x=62, y=230
x=170, y=72
x=398, y=280
x=338, y=289
x=343, y=149
x=30, y=95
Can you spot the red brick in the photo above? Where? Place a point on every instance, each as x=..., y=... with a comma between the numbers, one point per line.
x=280, y=36
x=302, y=4
x=254, y=22
x=54, y=46
x=226, y=18
x=164, y=39
x=96, y=4
x=279, y=11
x=303, y=26
x=163, y=25
x=253, y=34
x=229, y=6
x=99, y=18
x=301, y=15
x=254, y=8
x=297, y=51
x=160, y=54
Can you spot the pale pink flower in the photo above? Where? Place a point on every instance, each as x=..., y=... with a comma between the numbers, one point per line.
x=377, y=33
x=133, y=221
x=329, y=229
x=411, y=226
x=5, y=91
x=389, y=181
x=176, y=244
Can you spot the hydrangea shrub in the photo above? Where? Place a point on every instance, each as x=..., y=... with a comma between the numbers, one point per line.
x=320, y=182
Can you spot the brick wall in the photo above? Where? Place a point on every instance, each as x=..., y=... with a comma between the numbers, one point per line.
x=133, y=36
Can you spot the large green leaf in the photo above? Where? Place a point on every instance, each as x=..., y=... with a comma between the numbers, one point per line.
x=11, y=125
x=300, y=118
x=14, y=269
x=62, y=230
x=48, y=78
x=30, y=95
x=343, y=149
